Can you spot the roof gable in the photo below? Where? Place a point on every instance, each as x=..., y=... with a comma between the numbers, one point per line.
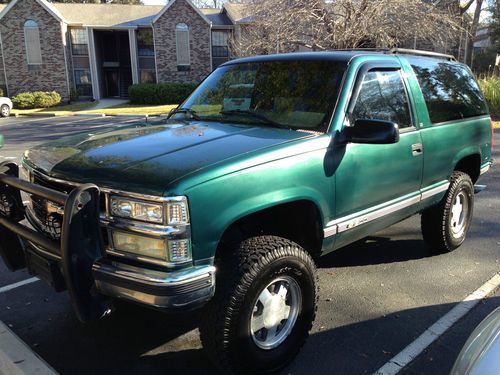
x=45, y=4
x=171, y=2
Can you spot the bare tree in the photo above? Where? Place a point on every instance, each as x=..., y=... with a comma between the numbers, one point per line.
x=288, y=25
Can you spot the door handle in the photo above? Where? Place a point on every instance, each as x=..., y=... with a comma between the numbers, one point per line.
x=417, y=149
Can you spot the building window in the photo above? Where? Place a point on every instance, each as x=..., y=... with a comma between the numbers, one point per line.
x=79, y=42
x=32, y=41
x=148, y=76
x=220, y=44
x=146, y=53
x=182, y=46
x=145, y=45
x=83, y=82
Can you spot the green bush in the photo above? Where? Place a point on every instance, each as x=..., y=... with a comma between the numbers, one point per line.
x=160, y=93
x=37, y=99
x=491, y=90
x=1, y=92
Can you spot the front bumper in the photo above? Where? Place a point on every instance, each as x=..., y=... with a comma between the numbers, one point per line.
x=78, y=262
x=183, y=289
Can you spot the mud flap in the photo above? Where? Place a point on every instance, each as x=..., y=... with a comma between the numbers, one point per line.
x=81, y=246
x=11, y=206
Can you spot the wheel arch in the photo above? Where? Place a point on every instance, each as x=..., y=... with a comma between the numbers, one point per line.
x=299, y=220
x=469, y=163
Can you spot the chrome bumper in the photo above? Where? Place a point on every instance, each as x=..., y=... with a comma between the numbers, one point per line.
x=182, y=289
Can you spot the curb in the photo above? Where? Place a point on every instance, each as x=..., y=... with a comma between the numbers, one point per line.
x=35, y=115
x=16, y=358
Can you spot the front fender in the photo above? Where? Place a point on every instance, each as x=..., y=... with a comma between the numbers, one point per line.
x=218, y=203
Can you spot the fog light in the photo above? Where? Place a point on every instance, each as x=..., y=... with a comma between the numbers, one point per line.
x=179, y=251
x=140, y=245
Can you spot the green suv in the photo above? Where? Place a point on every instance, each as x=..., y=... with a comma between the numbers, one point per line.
x=271, y=162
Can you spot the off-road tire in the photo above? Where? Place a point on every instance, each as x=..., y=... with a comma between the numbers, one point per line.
x=436, y=221
x=246, y=269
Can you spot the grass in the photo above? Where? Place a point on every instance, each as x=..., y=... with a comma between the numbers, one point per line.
x=491, y=90
x=60, y=110
x=134, y=109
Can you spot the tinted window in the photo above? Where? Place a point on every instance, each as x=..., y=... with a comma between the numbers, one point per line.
x=382, y=97
x=296, y=94
x=449, y=89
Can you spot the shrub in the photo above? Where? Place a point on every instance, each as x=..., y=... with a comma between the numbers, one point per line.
x=1, y=92
x=37, y=99
x=491, y=90
x=74, y=95
x=160, y=93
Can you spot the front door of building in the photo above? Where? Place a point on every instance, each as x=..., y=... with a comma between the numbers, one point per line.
x=112, y=82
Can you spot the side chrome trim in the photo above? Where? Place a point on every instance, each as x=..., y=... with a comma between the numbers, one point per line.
x=351, y=221
x=485, y=168
x=434, y=191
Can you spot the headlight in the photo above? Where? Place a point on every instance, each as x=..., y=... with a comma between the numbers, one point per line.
x=174, y=212
x=132, y=209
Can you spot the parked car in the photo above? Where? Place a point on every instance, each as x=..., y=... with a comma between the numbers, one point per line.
x=5, y=106
x=481, y=353
x=270, y=163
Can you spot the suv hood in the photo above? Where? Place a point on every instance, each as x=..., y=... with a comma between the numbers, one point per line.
x=147, y=159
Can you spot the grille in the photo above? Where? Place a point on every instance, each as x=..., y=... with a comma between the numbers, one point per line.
x=50, y=223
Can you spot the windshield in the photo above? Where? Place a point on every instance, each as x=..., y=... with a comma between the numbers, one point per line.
x=291, y=94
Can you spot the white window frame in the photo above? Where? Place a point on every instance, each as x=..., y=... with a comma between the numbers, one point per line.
x=177, y=31
x=26, y=45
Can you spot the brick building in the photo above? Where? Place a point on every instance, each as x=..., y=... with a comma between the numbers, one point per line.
x=101, y=49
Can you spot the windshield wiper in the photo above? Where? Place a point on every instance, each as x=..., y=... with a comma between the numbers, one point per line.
x=267, y=120
x=188, y=111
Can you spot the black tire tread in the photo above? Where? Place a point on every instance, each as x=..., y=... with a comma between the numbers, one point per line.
x=241, y=268
x=434, y=219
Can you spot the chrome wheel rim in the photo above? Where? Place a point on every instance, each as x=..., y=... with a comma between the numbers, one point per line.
x=459, y=213
x=5, y=111
x=275, y=312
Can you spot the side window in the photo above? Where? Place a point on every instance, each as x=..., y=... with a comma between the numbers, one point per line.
x=382, y=97
x=450, y=90
x=32, y=43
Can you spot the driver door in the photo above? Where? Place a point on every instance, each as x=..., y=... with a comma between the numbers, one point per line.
x=378, y=184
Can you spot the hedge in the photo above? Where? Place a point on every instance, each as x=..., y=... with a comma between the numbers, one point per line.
x=37, y=99
x=160, y=93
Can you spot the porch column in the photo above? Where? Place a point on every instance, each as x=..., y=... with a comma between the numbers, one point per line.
x=132, y=38
x=94, y=75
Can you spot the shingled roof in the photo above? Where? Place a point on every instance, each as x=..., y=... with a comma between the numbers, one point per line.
x=124, y=15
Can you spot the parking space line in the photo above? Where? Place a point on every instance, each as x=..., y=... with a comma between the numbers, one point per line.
x=409, y=353
x=18, y=284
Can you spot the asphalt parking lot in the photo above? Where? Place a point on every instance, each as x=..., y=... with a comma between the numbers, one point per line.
x=376, y=297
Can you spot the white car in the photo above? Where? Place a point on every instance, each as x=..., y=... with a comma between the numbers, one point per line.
x=5, y=106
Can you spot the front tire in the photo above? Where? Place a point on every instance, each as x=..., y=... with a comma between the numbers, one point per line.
x=5, y=110
x=263, y=308
x=445, y=226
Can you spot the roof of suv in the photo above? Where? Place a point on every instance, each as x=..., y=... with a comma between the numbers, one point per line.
x=339, y=55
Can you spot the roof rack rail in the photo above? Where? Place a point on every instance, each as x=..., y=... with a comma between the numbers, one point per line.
x=405, y=51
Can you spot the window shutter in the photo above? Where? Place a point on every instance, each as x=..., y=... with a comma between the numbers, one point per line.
x=32, y=40
x=182, y=43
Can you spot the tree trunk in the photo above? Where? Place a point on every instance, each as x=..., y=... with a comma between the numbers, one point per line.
x=473, y=31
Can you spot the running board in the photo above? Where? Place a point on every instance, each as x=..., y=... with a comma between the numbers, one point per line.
x=479, y=188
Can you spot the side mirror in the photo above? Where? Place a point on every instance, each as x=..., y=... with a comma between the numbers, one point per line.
x=372, y=132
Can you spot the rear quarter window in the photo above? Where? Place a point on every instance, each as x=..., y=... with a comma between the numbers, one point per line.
x=449, y=89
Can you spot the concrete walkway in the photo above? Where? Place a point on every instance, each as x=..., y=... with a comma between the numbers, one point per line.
x=107, y=102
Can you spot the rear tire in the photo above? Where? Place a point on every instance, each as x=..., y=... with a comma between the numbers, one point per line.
x=5, y=110
x=263, y=308
x=445, y=225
